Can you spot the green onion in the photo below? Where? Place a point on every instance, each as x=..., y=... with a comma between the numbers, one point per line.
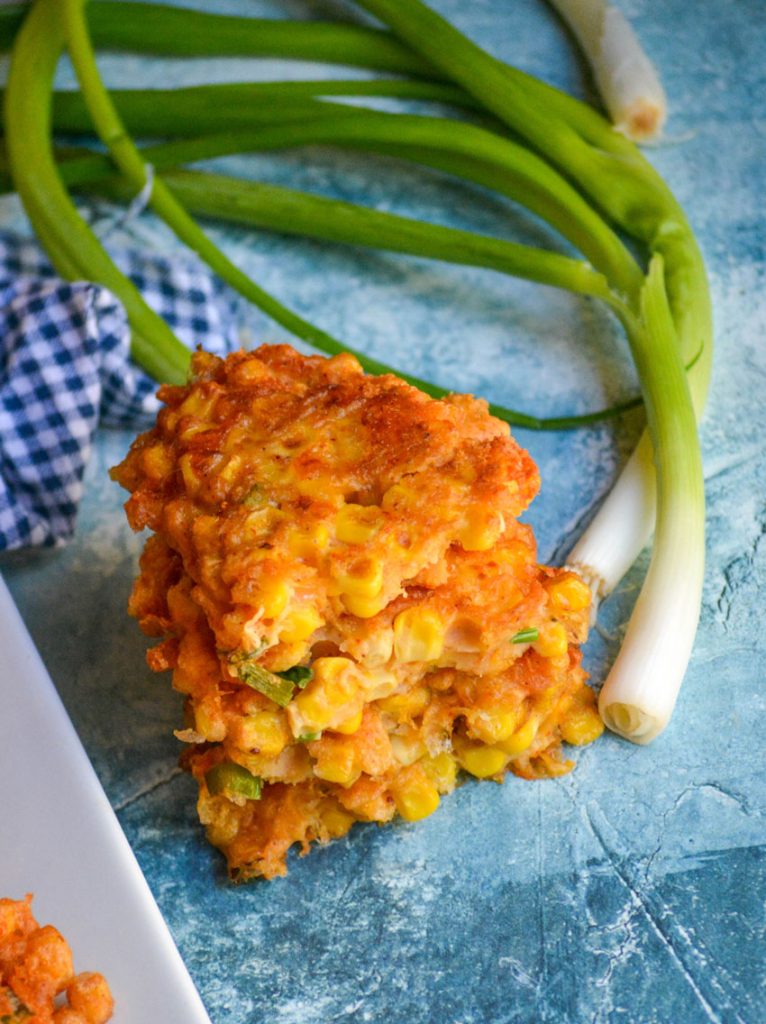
x=309, y=737
x=127, y=157
x=176, y=32
x=473, y=153
x=636, y=199
x=526, y=636
x=73, y=248
x=288, y=211
x=255, y=497
x=299, y=213
x=300, y=675
x=640, y=692
x=232, y=780
x=191, y=110
x=113, y=134
x=259, y=678
x=20, y=1012
x=626, y=79
x=171, y=31
x=565, y=164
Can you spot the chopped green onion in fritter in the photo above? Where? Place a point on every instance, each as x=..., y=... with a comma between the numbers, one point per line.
x=525, y=636
x=309, y=737
x=255, y=497
x=301, y=675
x=268, y=683
x=19, y=1012
x=229, y=779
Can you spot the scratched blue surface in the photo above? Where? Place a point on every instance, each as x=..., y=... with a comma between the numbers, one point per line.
x=631, y=890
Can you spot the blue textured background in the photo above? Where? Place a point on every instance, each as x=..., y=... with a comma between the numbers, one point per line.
x=631, y=890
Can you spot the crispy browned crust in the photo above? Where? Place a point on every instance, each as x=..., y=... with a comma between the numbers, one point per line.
x=37, y=979
x=305, y=513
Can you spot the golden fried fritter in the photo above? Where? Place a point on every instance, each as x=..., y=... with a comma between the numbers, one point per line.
x=37, y=979
x=347, y=598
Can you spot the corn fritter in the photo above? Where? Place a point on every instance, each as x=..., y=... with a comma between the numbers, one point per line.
x=37, y=980
x=346, y=599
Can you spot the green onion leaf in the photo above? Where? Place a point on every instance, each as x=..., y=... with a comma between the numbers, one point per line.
x=230, y=779
x=301, y=675
x=19, y=1011
x=259, y=678
x=526, y=636
x=309, y=737
x=255, y=497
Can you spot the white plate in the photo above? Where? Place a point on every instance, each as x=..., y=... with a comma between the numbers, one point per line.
x=60, y=839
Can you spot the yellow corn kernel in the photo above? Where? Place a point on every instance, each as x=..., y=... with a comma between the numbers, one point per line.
x=568, y=593
x=264, y=732
x=212, y=728
x=197, y=403
x=465, y=472
x=274, y=596
x=340, y=765
x=416, y=798
x=334, y=685
x=407, y=705
x=544, y=703
x=231, y=470
x=170, y=418
x=481, y=530
x=248, y=372
x=351, y=724
x=515, y=553
x=320, y=486
x=221, y=818
x=309, y=541
x=364, y=578
x=494, y=725
x=521, y=740
x=197, y=417
x=157, y=461
x=407, y=749
x=337, y=821
x=552, y=641
x=336, y=676
x=356, y=524
x=192, y=427
x=481, y=761
x=192, y=479
x=364, y=607
x=582, y=725
x=300, y=624
x=441, y=770
x=399, y=496
x=418, y=635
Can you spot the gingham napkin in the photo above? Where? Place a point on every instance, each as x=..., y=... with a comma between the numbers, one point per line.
x=65, y=367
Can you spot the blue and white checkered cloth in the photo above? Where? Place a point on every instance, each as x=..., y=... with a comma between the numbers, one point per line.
x=65, y=368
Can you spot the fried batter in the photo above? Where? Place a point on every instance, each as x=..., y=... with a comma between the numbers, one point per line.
x=347, y=599
x=37, y=980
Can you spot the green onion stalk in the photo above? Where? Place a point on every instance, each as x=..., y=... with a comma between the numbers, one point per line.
x=44, y=32
x=574, y=171
x=73, y=248
x=128, y=159
x=289, y=211
x=548, y=267
x=673, y=318
x=541, y=187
